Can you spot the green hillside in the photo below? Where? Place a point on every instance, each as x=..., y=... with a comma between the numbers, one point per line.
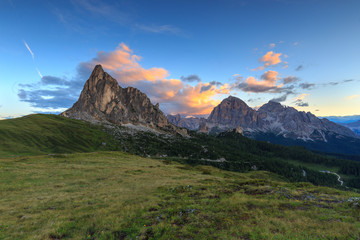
x=44, y=133
x=112, y=195
x=51, y=134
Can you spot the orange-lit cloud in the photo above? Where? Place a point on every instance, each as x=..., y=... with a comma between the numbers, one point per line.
x=301, y=96
x=175, y=96
x=269, y=59
x=267, y=83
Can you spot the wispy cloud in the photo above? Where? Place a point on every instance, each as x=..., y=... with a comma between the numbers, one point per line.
x=299, y=68
x=353, y=97
x=118, y=13
x=272, y=45
x=39, y=73
x=159, y=28
x=28, y=48
x=307, y=85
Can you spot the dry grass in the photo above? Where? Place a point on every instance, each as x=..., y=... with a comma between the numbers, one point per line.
x=112, y=195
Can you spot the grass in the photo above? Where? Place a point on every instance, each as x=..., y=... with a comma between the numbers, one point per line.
x=45, y=133
x=113, y=195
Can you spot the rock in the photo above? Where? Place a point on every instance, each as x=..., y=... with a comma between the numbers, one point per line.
x=191, y=123
x=103, y=100
x=231, y=113
x=283, y=120
x=272, y=117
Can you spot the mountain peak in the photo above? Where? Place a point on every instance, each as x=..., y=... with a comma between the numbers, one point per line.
x=232, y=99
x=271, y=106
x=233, y=111
x=97, y=71
x=102, y=99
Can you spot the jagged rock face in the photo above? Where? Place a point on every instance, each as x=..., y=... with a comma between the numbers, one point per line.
x=292, y=123
x=231, y=113
x=102, y=99
x=191, y=123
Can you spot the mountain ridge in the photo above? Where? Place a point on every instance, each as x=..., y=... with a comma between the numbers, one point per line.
x=273, y=117
x=280, y=124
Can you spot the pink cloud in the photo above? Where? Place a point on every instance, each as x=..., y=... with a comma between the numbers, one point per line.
x=269, y=59
x=174, y=95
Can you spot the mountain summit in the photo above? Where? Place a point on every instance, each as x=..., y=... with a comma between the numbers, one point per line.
x=102, y=99
x=233, y=112
x=272, y=118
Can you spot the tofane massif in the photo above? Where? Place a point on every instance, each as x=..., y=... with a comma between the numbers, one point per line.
x=113, y=166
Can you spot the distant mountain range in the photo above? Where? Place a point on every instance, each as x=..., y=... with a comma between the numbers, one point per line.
x=103, y=100
x=275, y=123
x=355, y=126
x=343, y=119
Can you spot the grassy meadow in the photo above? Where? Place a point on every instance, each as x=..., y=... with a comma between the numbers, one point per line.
x=114, y=195
x=44, y=133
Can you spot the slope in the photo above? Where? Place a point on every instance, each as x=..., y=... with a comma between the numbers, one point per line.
x=112, y=195
x=40, y=133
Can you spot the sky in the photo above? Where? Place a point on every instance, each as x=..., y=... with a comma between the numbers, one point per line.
x=185, y=55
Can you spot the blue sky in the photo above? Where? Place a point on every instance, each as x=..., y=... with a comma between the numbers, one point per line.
x=186, y=55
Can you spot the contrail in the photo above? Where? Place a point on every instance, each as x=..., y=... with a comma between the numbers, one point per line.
x=28, y=48
x=39, y=73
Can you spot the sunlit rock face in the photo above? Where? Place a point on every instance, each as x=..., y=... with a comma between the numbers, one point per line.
x=102, y=99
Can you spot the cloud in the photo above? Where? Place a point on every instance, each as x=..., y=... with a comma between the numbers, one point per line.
x=159, y=29
x=272, y=45
x=296, y=44
x=302, y=104
x=191, y=78
x=28, y=48
x=301, y=96
x=353, y=97
x=267, y=83
x=125, y=66
x=103, y=10
x=269, y=59
x=254, y=99
x=299, y=68
x=50, y=80
x=307, y=85
x=299, y=100
x=115, y=12
x=338, y=82
x=174, y=95
x=210, y=85
x=290, y=79
x=280, y=99
x=39, y=72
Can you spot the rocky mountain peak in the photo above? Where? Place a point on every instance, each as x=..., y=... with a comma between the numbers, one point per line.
x=271, y=106
x=102, y=99
x=233, y=112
